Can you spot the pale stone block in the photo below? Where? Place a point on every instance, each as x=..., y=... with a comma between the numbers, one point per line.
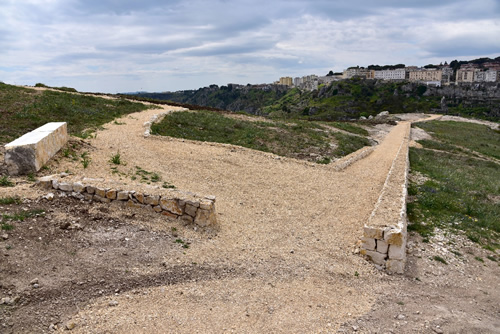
x=132, y=204
x=111, y=194
x=171, y=205
x=78, y=187
x=193, y=203
x=157, y=208
x=122, y=195
x=88, y=197
x=139, y=197
x=206, y=205
x=382, y=246
x=55, y=184
x=152, y=200
x=394, y=237
x=45, y=182
x=31, y=151
x=376, y=257
x=211, y=198
x=101, y=192
x=190, y=210
x=91, y=189
x=368, y=243
x=397, y=252
x=205, y=218
x=64, y=186
x=373, y=232
x=102, y=199
x=395, y=266
x=186, y=218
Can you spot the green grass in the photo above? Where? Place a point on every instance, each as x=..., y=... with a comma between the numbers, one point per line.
x=454, y=135
x=115, y=159
x=461, y=193
x=5, y=182
x=20, y=216
x=10, y=200
x=292, y=138
x=23, y=110
x=439, y=259
x=349, y=127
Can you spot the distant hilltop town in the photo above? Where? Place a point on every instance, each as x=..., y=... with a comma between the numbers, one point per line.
x=479, y=70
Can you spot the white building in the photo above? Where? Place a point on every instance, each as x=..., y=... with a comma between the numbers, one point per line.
x=396, y=74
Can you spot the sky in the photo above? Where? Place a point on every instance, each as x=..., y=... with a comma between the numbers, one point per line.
x=115, y=46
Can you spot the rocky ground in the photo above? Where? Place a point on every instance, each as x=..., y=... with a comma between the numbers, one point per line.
x=283, y=260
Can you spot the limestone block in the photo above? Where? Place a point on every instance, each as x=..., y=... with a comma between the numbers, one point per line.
x=190, y=210
x=101, y=192
x=45, y=182
x=397, y=252
x=169, y=214
x=132, y=204
x=206, y=205
x=187, y=218
x=152, y=200
x=382, y=246
x=395, y=266
x=65, y=186
x=193, y=203
x=368, y=243
x=373, y=232
x=171, y=205
x=55, y=184
x=90, y=190
x=111, y=194
x=139, y=197
x=122, y=195
x=88, y=197
x=205, y=218
x=78, y=187
x=31, y=151
x=394, y=237
x=211, y=198
x=157, y=208
x=376, y=257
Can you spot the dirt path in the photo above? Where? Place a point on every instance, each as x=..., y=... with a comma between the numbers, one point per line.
x=288, y=228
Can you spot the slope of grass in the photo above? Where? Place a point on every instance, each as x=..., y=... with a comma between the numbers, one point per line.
x=295, y=138
x=461, y=192
x=23, y=110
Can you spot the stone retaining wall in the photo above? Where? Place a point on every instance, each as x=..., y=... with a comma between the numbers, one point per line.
x=185, y=206
x=31, y=151
x=385, y=233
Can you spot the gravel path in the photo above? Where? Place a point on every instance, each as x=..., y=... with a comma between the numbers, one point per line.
x=287, y=233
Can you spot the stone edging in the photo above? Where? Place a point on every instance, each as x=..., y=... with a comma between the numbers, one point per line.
x=157, y=118
x=187, y=207
x=349, y=159
x=385, y=233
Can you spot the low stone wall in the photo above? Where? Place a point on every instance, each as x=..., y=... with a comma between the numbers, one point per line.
x=349, y=159
x=31, y=151
x=185, y=206
x=385, y=233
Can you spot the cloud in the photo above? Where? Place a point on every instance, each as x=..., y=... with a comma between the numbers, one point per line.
x=180, y=44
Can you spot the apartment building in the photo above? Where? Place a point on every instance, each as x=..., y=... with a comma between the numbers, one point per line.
x=359, y=72
x=396, y=74
x=426, y=75
x=466, y=74
x=287, y=81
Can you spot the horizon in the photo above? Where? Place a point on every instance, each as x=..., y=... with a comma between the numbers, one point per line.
x=96, y=46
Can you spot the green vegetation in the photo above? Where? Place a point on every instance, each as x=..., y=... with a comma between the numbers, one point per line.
x=10, y=200
x=23, y=110
x=439, y=259
x=115, y=159
x=85, y=159
x=18, y=217
x=148, y=177
x=294, y=138
x=5, y=182
x=461, y=191
x=455, y=136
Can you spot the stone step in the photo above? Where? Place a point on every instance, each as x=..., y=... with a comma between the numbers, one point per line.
x=31, y=151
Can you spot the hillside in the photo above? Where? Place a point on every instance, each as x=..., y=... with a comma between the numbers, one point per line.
x=347, y=99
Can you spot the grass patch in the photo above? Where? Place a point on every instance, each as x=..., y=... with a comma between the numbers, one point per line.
x=10, y=200
x=439, y=259
x=349, y=127
x=6, y=219
x=459, y=194
x=23, y=110
x=5, y=182
x=115, y=159
x=294, y=138
x=475, y=137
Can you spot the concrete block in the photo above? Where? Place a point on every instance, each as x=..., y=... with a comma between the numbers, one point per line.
x=31, y=151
